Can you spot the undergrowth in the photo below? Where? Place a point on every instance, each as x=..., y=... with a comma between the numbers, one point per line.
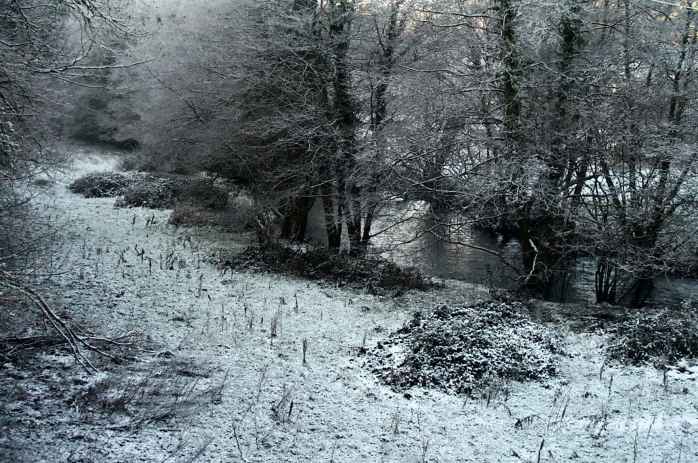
x=659, y=338
x=320, y=264
x=151, y=191
x=232, y=218
x=203, y=193
x=155, y=191
x=101, y=184
x=467, y=348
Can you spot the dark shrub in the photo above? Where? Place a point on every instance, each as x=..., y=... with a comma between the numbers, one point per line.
x=462, y=349
x=130, y=162
x=190, y=215
x=134, y=162
x=101, y=184
x=232, y=218
x=184, y=165
x=661, y=338
x=129, y=144
x=345, y=270
x=186, y=215
x=42, y=182
x=204, y=193
x=226, y=166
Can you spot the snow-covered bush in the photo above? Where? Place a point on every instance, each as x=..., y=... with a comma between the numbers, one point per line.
x=466, y=348
x=101, y=184
x=155, y=191
x=152, y=192
x=663, y=337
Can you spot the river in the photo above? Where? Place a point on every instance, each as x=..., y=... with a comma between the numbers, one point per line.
x=410, y=243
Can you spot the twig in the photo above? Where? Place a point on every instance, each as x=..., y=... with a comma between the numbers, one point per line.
x=535, y=260
x=237, y=443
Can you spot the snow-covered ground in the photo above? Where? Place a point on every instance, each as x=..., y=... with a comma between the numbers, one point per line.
x=213, y=384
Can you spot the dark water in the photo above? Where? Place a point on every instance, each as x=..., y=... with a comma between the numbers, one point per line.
x=412, y=243
x=423, y=242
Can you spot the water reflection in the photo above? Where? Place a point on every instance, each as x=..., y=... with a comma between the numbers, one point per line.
x=410, y=235
x=445, y=247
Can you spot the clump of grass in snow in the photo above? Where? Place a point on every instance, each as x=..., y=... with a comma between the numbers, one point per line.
x=662, y=338
x=282, y=409
x=464, y=349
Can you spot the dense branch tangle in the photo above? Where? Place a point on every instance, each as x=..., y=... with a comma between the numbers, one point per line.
x=585, y=127
x=31, y=43
x=300, y=116
x=562, y=125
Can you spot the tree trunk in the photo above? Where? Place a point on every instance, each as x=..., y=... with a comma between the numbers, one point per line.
x=606, y=280
x=368, y=223
x=348, y=191
x=333, y=227
x=306, y=204
x=511, y=72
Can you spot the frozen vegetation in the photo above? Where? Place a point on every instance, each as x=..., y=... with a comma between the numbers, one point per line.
x=257, y=366
x=342, y=231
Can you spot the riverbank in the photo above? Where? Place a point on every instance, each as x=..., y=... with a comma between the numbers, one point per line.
x=219, y=376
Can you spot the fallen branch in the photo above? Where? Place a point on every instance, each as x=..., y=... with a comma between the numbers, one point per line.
x=535, y=261
x=16, y=343
x=67, y=334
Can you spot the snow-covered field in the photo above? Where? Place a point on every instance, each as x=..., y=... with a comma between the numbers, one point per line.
x=214, y=385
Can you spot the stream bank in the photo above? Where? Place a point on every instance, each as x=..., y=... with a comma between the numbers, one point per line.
x=212, y=384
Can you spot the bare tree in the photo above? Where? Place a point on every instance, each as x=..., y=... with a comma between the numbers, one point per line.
x=33, y=53
x=580, y=146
